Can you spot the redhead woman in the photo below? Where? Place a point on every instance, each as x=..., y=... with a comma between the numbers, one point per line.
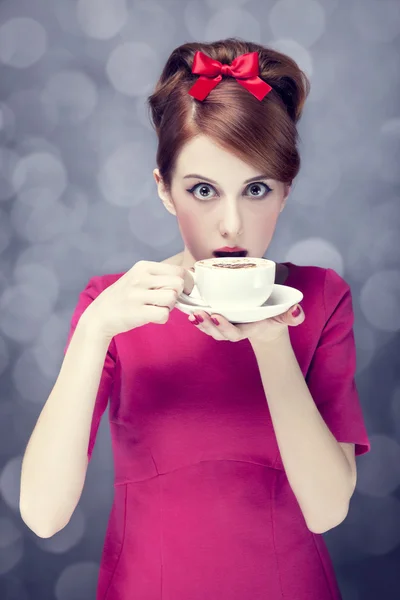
x=234, y=443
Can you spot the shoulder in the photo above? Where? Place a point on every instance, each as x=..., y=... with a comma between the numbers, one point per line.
x=98, y=283
x=324, y=287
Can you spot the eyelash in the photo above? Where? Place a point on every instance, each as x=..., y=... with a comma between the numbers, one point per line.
x=191, y=190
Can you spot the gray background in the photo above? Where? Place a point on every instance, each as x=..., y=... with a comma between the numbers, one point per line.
x=77, y=199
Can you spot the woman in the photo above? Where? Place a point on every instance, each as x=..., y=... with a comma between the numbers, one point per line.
x=231, y=459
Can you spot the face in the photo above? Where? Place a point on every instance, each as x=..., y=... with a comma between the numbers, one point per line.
x=218, y=207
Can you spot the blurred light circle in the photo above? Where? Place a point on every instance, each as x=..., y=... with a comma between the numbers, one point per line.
x=9, y=534
x=123, y=178
x=66, y=539
x=41, y=170
x=372, y=480
x=34, y=145
x=51, y=338
x=151, y=226
x=366, y=344
x=218, y=4
x=40, y=277
x=391, y=127
x=10, y=557
x=77, y=582
x=73, y=93
x=329, y=6
x=142, y=113
x=4, y=357
x=101, y=19
x=119, y=262
x=35, y=113
x=389, y=151
x=76, y=205
x=297, y=52
x=13, y=588
x=8, y=163
x=6, y=272
x=395, y=409
x=316, y=251
x=380, y=300
x=92, y=251
x=29, y=380
x=374, y=528
x=36, y=216
x=233, y=22
x=66, y=15
x=195, y=18
x=132, y=68
x=376, y=20
x=23, y=41
x=5, y=231
x=330, y=136
x=7, y=123
x=113, y=123
x=22, y=309
x=303, y=21
x=370, y=251
x=10, y=482
x=325, y=76
x=157, y=21
x=62, y=256
x=319, y=178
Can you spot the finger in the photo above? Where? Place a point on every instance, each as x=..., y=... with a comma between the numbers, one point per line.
x=294, y=316
x=232, y=333
x=207, y=326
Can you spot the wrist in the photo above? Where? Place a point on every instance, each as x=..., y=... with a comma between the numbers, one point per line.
x=91, y=327
x=271, y=345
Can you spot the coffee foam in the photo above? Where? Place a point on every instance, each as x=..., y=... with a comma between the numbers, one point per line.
x=234, y=262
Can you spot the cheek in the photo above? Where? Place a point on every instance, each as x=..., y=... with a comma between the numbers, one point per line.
x=190, y=224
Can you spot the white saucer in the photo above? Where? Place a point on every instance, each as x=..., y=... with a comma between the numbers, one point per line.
x=282, y=298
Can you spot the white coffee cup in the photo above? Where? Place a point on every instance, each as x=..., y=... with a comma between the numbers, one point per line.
x=239, y=282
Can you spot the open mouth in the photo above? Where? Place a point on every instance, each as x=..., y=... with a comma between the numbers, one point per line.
x=220, y=254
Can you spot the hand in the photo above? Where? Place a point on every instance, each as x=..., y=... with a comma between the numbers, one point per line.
x=267, y=330
x=144, y=294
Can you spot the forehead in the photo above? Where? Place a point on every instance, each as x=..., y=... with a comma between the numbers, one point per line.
x=202, y=155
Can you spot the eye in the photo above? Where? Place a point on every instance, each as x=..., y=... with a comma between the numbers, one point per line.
x=202, y=187
x=252, y=186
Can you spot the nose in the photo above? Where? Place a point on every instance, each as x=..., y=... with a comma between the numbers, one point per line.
x=231, y=222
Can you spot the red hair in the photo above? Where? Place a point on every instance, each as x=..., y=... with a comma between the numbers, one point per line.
x=261, y=133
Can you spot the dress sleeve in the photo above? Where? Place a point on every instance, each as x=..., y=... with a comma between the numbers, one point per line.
x=331, y=376
x=91, y=291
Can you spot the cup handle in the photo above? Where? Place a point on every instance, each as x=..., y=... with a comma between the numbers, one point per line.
x=193, y=274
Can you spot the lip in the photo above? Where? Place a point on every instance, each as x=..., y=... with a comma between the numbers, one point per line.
x=230, y=249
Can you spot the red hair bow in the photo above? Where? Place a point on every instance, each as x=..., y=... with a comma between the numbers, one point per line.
x=244, y=69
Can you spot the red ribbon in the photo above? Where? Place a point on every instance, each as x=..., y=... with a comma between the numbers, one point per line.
x=244, y=69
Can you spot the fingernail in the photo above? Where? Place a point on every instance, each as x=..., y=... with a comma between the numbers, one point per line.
x=199, y=318
x=195, y=322
x=215, y=321
x=296, y=311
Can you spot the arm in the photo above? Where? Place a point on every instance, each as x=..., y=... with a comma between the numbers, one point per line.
x=317, y=469
x=55, y=461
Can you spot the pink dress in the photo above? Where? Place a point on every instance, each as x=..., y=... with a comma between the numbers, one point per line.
x=202, y=505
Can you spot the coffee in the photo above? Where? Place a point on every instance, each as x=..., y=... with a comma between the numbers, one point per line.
x=238, y=282
x=220, y=265
x=232, y=263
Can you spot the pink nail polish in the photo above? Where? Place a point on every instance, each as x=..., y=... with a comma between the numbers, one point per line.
x=215, y=321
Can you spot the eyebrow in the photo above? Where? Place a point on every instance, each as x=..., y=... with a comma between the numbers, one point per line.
x=256, y=178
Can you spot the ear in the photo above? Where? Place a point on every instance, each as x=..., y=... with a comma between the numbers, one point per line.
x=287, y=190
x=163, y=194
